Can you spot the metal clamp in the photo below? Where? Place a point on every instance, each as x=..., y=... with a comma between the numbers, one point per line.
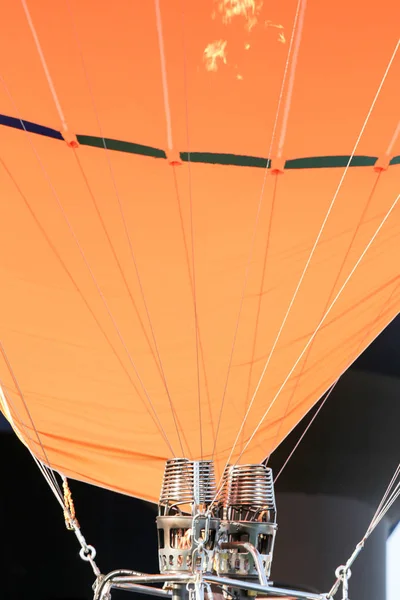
x=87, y=553
x=207, y=519
x=343, y=573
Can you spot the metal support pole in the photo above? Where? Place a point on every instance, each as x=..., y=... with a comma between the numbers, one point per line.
x=143, y=589
x=263, y=590
x=133, y=582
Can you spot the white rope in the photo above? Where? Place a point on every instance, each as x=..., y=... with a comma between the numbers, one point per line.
x=393, y=140
x=49, y=476
x=164, y=78
x=91, y=273
x=87, y=552
x=289, y=92
x=194, y=281
x=65, y=127
x=387, y=501
x=395, y=475
x=390, y=496
x=125, y=224
x=328, y=393
x=394, y=204
x=360, y=350
x=44, y=65
x=311, y=256
x=252, y=243
x=25, y=404
x=392, y=499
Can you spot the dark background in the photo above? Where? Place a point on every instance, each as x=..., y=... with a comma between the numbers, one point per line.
x=351, y=450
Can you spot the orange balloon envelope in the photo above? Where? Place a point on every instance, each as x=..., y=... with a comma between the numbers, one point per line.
x=199, y=230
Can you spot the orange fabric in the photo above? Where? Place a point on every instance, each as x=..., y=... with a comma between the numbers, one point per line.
x=81, y=389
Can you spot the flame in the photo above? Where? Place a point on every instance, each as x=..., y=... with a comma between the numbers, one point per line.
x=251, y=22
x=281, y=37
x=248, y=9
x=185, y=540
x=271, y=24
x=214, y=52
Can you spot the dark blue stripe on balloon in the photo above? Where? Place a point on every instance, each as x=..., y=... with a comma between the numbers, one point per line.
x=31, y=127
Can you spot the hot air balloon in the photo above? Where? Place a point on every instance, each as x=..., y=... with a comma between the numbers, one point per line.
x=199, y=228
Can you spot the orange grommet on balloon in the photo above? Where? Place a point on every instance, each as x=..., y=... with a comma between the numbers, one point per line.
x=174, y=158
x=70, y=139
x=382, y=164
x=278, y=166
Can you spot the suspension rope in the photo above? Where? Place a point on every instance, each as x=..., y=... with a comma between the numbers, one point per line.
x=328, y=393
x=258, y=213
x=164, y=78
x=154, y=414
x=393, y=206
x=393, y=140
x=45, y=66
x=69, y=510
x=289, y=94
x=343, y=573
x=65, y=127
x=360, y=349
x=389, y=212
x=330, y=208
x=260, y=297
x=87, y=552
x=337, y=278
x=160, y=365
x=188, y=267
x=195, y=307
x=25, y=404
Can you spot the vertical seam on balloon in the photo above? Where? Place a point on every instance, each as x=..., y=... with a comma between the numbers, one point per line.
x=164, y=77
x=252, y=241
x=185, y=244
x=44, y=65
x=159, y=365
x=293, y=66
x=339, y=273
x=320, y=323
x=260, y=296
x=94, y=280
x=319, y=235
x=192, y=229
